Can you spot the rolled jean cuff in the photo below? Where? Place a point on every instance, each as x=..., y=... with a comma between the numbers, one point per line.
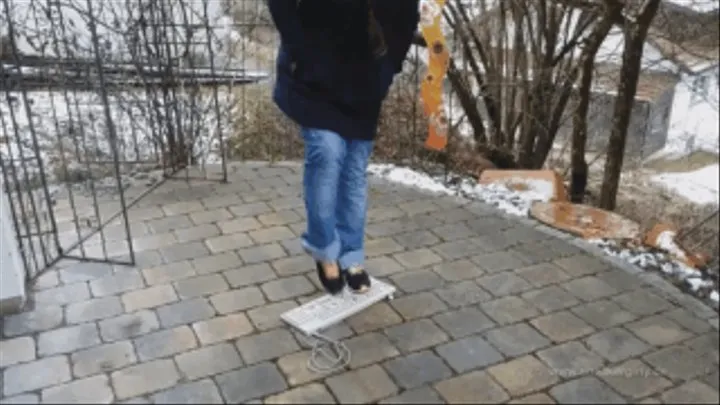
x=352, y=258
x=327, y=254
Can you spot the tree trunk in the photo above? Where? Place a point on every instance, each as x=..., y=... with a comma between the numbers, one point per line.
x=635, y=33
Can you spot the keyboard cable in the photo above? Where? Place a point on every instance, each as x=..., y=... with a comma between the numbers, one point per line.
x=335, y=352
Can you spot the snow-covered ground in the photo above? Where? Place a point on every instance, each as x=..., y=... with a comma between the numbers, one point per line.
x=518, y=203
x=700, y=186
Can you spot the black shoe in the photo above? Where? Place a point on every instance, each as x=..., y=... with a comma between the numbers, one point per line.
x=357, y=279
x=331, y=285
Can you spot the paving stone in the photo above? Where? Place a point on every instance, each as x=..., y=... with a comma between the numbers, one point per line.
x=35, y=375
x=262, y=253
x=251, y=382
x=198, y=392
x=126, y=280
x=570, y=360
x=383, y=266
x=250, y=209
x=417, y=369
x=370, y=348
x=456, y=249
x=197, y=233
x=415, y=335
x=469, y=353
x=21, y=399
x=589, y=288
x=185, y=312
x=417, y=258
x=216, y=263
x=616, y=344
x=93, y=310
x=48, y=279
x=237, y=300
x=418, y=207
x=62, y=295
x=210, y=216
x=416, y=239
x=104, y=358
x=533, y=399
x=533, y=253
x=148, y=297
x=562, y=326
x=378, y=316
x=93, y=390
x=692, y=392
x=712, y=380
x=365, y=385
x=416, y=281
x=222, y=328
x=471, y=388
x=523, y=375
x=502, y=284
x=68, y=339
x=381, y=246
x=40, y=319
x=293, y=265
x=225, y=243
x=634, y=379
x=168, y=273
x=706, y=345
x=687, y=320
x=658, y=331
x=144, y=378
x=128, y=326
x=603, y=314
x=581, y=265
x=642, y=302
x=509, y=310
x=266, y=346
x=418, y=305
x=550, y=299
x=541, y=275
x=209, y=360
x=455, y=231
x=463, y=294
x=307, y=394
x=184, y=251
x=458, y=270
x=268, y=316
x=424, y=395
x=516, y=340
x=272, y=234
x=18, y=350
x=585, y=390
x=463, y=322
x=165, y=343
x=294, y=367
x=286, y=288
x=679, y=363
x=79, y=272
x=201, y=286
x=498, y=261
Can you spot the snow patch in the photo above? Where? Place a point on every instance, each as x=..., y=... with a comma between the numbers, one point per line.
x=699, y=186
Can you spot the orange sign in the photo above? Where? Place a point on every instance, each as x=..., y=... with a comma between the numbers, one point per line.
x=431, y=87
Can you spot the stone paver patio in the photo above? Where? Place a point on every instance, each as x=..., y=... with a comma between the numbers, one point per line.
x=489, y=309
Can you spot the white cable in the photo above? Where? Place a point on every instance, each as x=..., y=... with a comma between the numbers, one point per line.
x=335, y=351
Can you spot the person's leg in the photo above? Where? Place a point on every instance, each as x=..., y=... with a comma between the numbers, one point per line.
x=325, y=153
x=351, y=213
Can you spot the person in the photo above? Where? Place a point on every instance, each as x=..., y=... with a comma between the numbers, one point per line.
x=336, y=62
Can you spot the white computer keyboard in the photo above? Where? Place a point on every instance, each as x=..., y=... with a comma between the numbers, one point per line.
x=328, y=310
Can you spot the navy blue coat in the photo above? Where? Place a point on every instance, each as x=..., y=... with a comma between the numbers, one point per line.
x=326, y=75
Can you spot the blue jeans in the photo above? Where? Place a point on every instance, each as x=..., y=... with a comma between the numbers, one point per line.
x=335, y=190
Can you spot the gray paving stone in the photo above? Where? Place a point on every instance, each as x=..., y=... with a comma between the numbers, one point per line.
x=378, y=316
x=183, y=251
x=581, y=264
x=658, y=331
x=250, y=209
x=18, y=350
x=418, y=305
x=128, y=326
x=417, y=258
x=589, y=288
x=79, y=272
x=541, y=275
x=68, y=339
x=463, y=294
x=222, y=328
x=35, y=375
x=533, y=399
x=463, y=322
x=603, y=314
x=585, y=390
x=516, y=340
x=201, y=286
x=616, y=344
x=534, y=253
x=283, y=217
x=294, y=367
x=210, y=216
x=144, y=378
x=692, y=392
x=468, y=354
x=523, y=375
x=266, y=346
x=570, y=360
x=92, y=390
x=620, y=280
x=712, y=380
x=416, y=335
x=185, y=312
x=198, y=392
x=417, y=369
x=383, y=266
x=634, y=379
x=165, y=343
x=706, y=345
x=562, y=326
x=93, y=310
x=679, y=363
x=370, y=348
x=262, y=253
x=147, y=298
x=550, y=299
x=288, y=287
x=416, y=239
x=162, y=225
x=216, y=263
x=208, y=361
x=62, y=295
x=21, y=399
x=291, y=266
x=307, y=394
x=120, y=282
x=365, y=385
x=687, y=320
x=271, y=234
x=167, y=273
x=642, y=302
x=458, y=249
x=503, y=284
x=39, y=319
x=251, y=382
x=424, y=395
x=455, y=231
x=458, y=270
x=509, y=310
x=237, y=300
x=416, y=281
x=197, y=233
x=268, y=316
x=103, y=358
